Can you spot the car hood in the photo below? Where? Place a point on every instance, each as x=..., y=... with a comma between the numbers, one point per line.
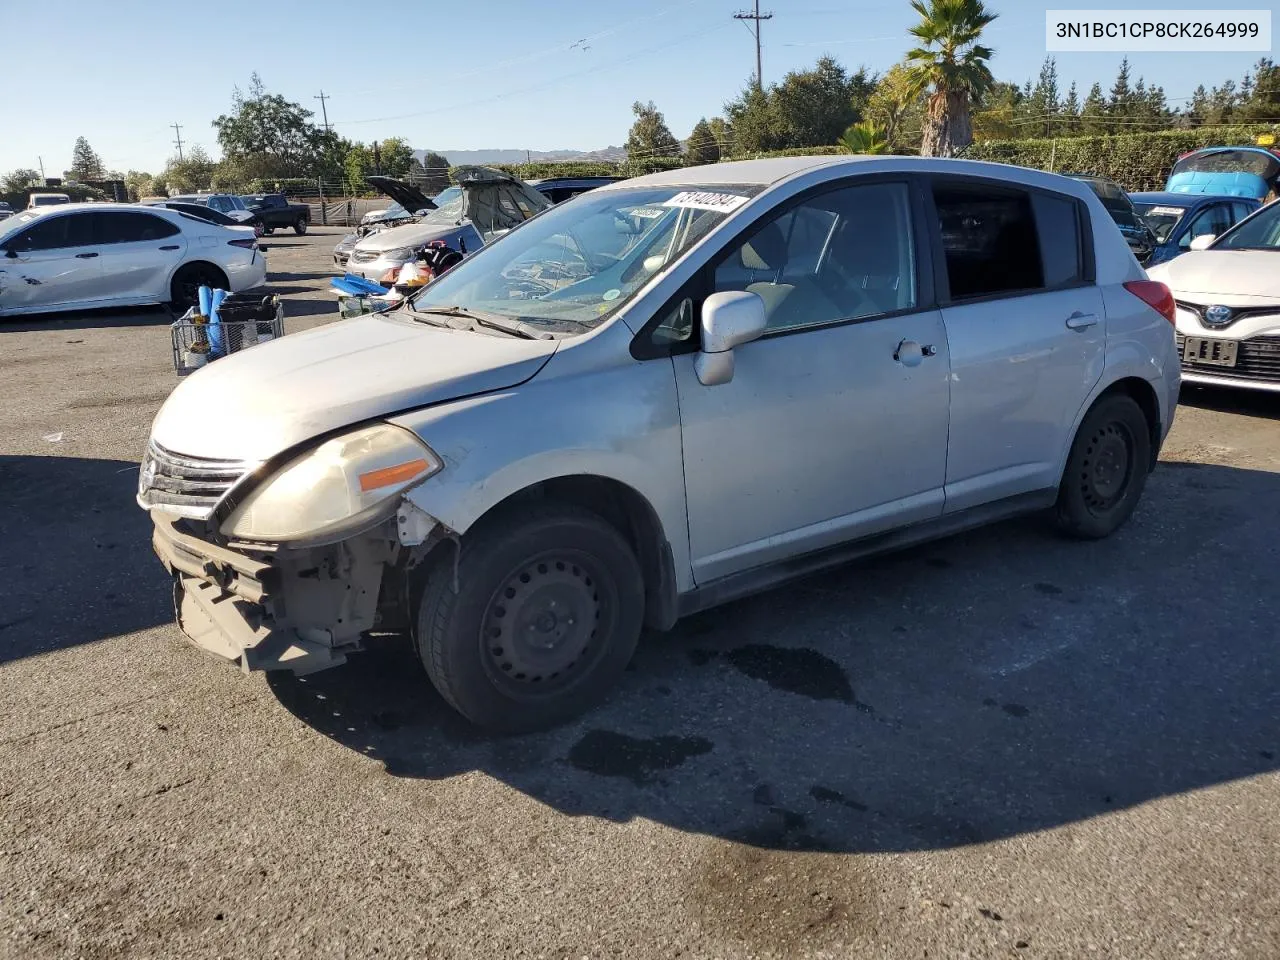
x=409, y=235
x=1247, y=274
x=255, y=404
x=405, y=194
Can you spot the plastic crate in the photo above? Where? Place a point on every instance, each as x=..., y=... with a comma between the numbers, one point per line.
x=197, y=344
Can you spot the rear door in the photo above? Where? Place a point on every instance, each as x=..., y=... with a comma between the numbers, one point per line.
x=139, y=252
x=1026, y=328
x=52, y=263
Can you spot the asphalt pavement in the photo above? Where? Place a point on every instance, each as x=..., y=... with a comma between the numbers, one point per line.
x=1001, y=745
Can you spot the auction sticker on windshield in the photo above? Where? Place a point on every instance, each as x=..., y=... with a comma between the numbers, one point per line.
x=1166, y=211
x=707, y=200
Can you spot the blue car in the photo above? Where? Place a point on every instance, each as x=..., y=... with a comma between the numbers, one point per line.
x=1175, y=219
x=1252, y=172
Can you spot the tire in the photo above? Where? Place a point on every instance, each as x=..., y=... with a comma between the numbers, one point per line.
x=258, y=229
x=1106, y=470
x=300, y=227
x=267, y=230
x=546, y=616
x=189, y=278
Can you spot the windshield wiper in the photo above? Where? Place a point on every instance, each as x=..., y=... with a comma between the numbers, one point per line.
x=515, y=326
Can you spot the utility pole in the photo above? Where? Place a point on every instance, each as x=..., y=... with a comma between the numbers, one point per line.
x=40, y=160
x=323, y=111
x=177, y=132
x=757, y=16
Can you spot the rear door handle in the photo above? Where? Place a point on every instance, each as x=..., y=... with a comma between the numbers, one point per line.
x=85, y=256
x=1081, y=321
x=171, y=246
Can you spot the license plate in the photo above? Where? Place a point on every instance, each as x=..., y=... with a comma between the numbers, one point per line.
x=1214, y=353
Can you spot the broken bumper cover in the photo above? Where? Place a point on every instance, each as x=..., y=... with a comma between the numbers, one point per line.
x=235, y=605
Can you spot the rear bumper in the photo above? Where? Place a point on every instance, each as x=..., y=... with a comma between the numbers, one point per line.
x=299, y=610
x=246, y=276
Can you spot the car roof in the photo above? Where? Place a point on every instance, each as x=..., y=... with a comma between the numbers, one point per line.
x=773, y=170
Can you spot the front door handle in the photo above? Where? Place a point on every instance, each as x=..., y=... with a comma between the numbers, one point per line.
x=85, y=256
x=910, y=353
x=1081, y=321
x=170, y=246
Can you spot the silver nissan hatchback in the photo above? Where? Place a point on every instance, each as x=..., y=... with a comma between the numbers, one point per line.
x=657, y=397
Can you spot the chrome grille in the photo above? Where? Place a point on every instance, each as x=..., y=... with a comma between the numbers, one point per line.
x=365, y=256
x=186, y=486
x=1257, y=358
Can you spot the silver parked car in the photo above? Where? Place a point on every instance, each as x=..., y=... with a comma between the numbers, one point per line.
x=654, y=398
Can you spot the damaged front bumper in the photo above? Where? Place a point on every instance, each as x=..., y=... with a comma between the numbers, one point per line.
x=271, y=608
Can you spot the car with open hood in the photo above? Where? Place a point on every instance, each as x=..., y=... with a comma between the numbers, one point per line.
x=1228, y=172
x=408, y=204
x=653, y=398
x=486, y=204
x=1227, y=290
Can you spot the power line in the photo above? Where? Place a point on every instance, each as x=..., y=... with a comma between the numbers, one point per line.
x=177, y=132
x=322, y=97
x=756, y=17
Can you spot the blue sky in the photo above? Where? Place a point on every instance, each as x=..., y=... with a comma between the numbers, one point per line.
x=489, y=73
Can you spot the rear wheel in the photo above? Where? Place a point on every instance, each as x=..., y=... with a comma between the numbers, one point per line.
x=546, y=615
x=186, y=283
x=300, y=227
x=1107, y=469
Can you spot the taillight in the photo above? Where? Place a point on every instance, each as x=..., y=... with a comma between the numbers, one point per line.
x=1155, y=295
x=246, y=243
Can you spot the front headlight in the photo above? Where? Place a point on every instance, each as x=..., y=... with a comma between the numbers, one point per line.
x=398, y=255
x=339, y=487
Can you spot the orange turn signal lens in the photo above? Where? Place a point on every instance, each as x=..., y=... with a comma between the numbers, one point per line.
x=390, y=476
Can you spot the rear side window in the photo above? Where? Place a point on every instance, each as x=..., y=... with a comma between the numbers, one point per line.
x=989, y=239
x=1058, y=229
x=131, y=227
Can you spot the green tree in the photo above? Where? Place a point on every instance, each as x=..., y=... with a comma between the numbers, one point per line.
x=720, y=133
x=1120, y=105
x=85, y=164
x=1093, y=115
x=139, y=184
x=815, y=106
x=754, y=123
x=357, y=165
x=432, y=174
x=897, y=108
x=1002, y=115
x=267, y=136
x=193, y=172
x=1069, y=122
x=702, y=146
x=1042, y=105
x=951, y=65
x=864, y=137
x=1197, y=108
x=650, y=136
x=19, y=179
x=396, y=156
x=1263, y=99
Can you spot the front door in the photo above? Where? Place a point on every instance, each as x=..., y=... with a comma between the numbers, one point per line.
x=52, y=263
x=1027, y=331
x=834, y=425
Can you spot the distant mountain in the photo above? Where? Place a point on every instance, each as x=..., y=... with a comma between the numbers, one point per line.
x=457, y=157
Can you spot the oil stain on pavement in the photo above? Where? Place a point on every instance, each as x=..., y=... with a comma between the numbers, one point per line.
x=609, y=754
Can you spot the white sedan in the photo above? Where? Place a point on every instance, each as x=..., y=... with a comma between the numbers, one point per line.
x=85, y=255
x=1228, y=294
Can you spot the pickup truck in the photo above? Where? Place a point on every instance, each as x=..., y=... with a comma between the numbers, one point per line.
x=275, y=211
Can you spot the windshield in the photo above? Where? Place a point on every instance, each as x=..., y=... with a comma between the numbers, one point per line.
x=583, y=260
x=49, y=199
x=236, y=202
x=393, y=212
x=1259, y=232
x=1160, y=218
x=451, y=206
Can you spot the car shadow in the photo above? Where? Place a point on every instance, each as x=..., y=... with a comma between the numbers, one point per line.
x=1250, y=403
x=296, y=307
x=101, y=318
x=273, y=277
x=75, y=555
x=997, y=683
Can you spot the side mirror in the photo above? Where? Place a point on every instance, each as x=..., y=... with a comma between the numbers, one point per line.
x=1202, y=242
x=729, y=320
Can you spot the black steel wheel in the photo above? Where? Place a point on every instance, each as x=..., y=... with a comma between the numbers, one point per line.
x=545, y=617
x=300, y=227
x=1106, y=470
x=187, y=281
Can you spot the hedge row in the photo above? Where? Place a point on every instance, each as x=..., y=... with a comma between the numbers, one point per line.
x=1137, y=161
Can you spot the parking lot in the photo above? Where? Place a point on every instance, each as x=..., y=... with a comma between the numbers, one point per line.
x=1005, y=744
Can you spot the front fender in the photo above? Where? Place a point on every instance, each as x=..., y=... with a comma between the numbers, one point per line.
x=617, y=422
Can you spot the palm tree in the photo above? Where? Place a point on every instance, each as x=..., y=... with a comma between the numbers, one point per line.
x=864, y=137
x=952, y=66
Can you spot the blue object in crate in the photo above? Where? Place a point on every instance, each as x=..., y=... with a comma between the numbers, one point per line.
x=217, y=345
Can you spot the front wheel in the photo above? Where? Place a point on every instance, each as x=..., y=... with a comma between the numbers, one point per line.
x=267, y=231
x=545, y=617
x=1106, y=470
x=301, y=226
